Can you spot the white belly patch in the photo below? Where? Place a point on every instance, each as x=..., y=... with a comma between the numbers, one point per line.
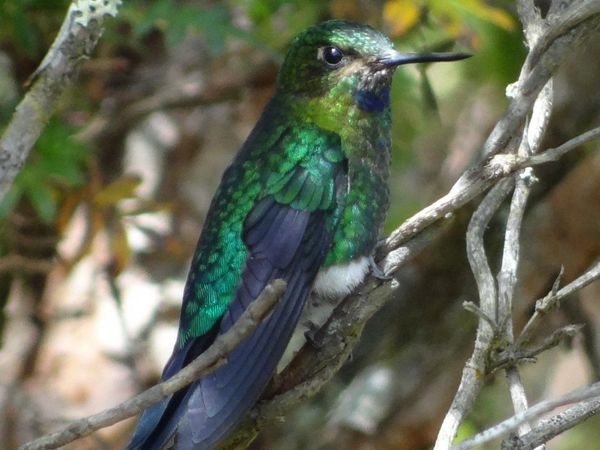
x=340, y=280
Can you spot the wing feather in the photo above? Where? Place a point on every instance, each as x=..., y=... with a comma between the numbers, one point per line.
x=287, y=234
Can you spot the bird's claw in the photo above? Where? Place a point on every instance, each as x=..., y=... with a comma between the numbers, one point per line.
x=376, y=270
x=311, y=335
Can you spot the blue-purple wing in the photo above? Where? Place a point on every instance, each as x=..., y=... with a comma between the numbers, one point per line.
x=284, y=241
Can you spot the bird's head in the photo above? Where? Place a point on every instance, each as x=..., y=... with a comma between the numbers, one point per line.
x=338, y=66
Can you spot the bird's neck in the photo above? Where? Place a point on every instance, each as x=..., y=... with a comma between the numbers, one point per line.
x=361, y=118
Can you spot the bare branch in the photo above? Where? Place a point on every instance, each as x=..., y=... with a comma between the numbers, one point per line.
x=214, y=357
x=507, y=276
x=533, y=77
x=553, y=426
x=514, y=355
x=486, y=284
x=473, y=308
x=507, y=279
x=542, y=306
x=473, y=183
x=474, y=370
x=588, y=393
x=554, y=154
x=546, y=54
x=76, y=39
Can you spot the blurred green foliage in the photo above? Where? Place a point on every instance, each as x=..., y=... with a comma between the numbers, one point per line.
x=58, y=162
x=176, y=19
x=28, y=24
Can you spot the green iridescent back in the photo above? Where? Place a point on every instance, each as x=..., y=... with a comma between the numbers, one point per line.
x=293, y=162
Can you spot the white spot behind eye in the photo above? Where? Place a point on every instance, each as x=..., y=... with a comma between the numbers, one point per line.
x=320, y=53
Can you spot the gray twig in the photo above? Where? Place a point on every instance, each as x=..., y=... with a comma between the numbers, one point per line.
x=476, y=181
x=513, y=355
x=548, y=43
x=472, y=376
x=508, y=274
x=473, y=308
x=546, y=304
x=553, y=426
x=554, y=154
x=588, y=393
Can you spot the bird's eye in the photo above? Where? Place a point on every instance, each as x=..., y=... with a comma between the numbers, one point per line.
x=332, y=55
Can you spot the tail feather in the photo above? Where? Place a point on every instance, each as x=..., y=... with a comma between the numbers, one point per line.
x=158, y=424
x=215, y=409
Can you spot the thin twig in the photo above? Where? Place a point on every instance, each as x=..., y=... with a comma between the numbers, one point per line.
x=591, y=392
x=478, y=261
x=472, y=376
x=553, y=426
x=507, y=279
x=508, y=273
x=554, y=154
x=473, y=308
x=542, y=306
x=473, y=183
x=515, y=355
x=214, y=357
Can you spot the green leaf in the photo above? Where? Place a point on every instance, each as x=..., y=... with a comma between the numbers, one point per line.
x=56, y=160
x=59, y=157
x=429, y=100
x=42, y=200
x=479, y=9
x=10, y=200
x=176, y=20
x=25, y=33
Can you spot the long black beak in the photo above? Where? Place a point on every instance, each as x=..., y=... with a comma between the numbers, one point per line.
x=395, y=58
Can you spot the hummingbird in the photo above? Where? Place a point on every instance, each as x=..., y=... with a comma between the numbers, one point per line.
x=304, y=201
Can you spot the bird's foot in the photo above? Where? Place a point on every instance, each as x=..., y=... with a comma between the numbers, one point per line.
x=376, y=270
x=311, y=335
